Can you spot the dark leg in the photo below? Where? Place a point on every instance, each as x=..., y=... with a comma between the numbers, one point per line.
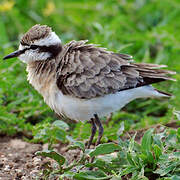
x=101, y=129
x=93, y=132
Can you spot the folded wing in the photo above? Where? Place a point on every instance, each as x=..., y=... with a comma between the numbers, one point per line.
x=87, y=71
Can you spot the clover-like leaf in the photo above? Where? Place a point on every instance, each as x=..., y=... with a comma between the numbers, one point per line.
x=91, y=175
x=147, y=141
x=104, y=149
x=61, y=124
x=53, y=155
x=79, y=145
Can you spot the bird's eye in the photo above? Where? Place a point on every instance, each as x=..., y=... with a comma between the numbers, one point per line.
x=33, y=47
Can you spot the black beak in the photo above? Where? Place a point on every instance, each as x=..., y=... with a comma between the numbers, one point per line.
x=14, y=54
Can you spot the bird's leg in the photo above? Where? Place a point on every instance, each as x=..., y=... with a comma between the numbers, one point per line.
x=95, y=121
x=101, y=129
x=93, y=132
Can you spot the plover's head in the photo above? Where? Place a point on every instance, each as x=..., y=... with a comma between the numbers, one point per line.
x=39, y=43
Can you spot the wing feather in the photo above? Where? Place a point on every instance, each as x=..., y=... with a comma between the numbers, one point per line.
x=87, y=71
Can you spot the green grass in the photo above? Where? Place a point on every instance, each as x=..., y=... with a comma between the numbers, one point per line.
x=149, y=30
x=157, y=157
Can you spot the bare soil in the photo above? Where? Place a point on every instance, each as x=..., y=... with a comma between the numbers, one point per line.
x=18, y=160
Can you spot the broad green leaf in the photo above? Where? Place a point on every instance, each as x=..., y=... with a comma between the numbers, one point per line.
x=157, y=151
x=104, y=149
x=146, y=144
x=131, y=143
x=130, y=159
x=128, y=170
x=177, y=113
x=70, y=139
x=166, y=178
x=165, y=170
x=168, y=163
x=109, y=157
x=77, y=144
x=52, y=154
x=59, y=134
x=68, y=174
x=141, y=175
x=91, y=175
x=102, y=165
x=171, y=140
x=157, y=138
x=175, y=177
x=178, y=135
x=61, y=124
x=150, y=157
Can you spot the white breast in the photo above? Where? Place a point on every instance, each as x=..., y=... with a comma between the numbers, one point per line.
x=81, y=109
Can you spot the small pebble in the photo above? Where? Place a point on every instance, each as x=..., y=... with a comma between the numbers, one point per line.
x=7, y=168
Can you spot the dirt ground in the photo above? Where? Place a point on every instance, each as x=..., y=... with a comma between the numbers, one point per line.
x=18, y=160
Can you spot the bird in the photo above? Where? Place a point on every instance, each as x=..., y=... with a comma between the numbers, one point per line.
x=82, y=81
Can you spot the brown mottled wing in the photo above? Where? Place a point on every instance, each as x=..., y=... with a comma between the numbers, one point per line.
x=86, y=71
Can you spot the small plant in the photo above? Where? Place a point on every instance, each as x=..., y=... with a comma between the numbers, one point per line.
x=51, y=133
x=157, y=157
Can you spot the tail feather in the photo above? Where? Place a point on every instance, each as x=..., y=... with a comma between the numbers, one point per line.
x=150, y=66
x=138, y=75
x=164, y=93
x=151, y=73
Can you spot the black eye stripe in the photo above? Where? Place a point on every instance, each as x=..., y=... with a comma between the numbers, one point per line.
x=53, y=49
x=34, y=47
x=41, y=48
x=44, y=48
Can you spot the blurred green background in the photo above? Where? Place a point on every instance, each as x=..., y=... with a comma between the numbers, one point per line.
x=147, y=29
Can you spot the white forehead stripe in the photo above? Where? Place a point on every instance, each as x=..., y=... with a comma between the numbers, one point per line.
x=49, y=40
x=20, y=47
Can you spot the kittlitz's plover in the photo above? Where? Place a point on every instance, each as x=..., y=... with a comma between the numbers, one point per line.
x=82, y=81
